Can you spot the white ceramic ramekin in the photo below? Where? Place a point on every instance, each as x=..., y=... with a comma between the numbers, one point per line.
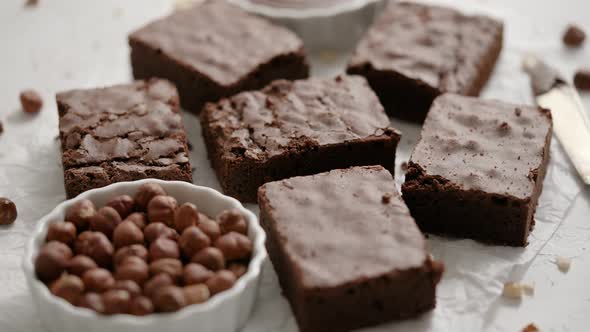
x=334, y=28
x=224, y=312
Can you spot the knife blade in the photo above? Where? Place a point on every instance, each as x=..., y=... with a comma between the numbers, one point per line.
x=571, y=124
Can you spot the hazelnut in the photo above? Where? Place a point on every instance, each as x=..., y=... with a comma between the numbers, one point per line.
x=127, y=233
x=582, y=79
x=163, y=248
x=105, y=221
x=192, y=240
x=128, y=285
x=209, y=227
x=132, y=268
x=169, y=299
x=186, y=216
x=157, y=230
x=68, y=287
x=512, y=290
x=195, y=294
x=573, y=36
x=161, y=209
x=122, y=204
x=210, y=257
x=157, y=282
x=222, y=280
x=146, y=192
x=80, y=214
x=141, y=306
x=232, y=221
x=234, y=246
x=238, y=269
x=96, y=246
x=116, y=301
x=64, y=232
x=170, y=266
x=98, y=280
x=138, y=218
x=30, y=101
x=52, y=260
x=92, y=301
x=196, y=274
x=8, y=211
x=80, y=264
x=137, y=250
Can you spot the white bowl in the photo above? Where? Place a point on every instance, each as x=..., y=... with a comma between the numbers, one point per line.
x=226, y=311
x=333, y=28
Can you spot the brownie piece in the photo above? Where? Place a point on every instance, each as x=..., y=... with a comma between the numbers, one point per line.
x=346, y=250
x=296, y=128
x=122, y=133
x=478, y=169
x=215, y=50
x=415, y=52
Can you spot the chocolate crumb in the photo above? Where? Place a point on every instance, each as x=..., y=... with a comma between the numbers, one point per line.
x=8, y=211
x=582, y=79
x=31, y=3
x=193, y=169
x=1, y=127
x=504, y=127
x=530, y=328
x=518, y=111
x=574, y=36
x=31, y=101
x=404, y=166
x=386, y=199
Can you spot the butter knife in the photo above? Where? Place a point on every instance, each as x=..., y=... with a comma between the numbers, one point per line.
x=571, y=124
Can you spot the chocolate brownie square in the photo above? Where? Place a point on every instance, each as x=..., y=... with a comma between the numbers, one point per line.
x=415, y=52
x=296, y=128
x=215, y=50
x=478, y=169
x=346, y=250
x=122, y=133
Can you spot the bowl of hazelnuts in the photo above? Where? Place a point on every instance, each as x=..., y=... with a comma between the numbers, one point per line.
x=146, y=256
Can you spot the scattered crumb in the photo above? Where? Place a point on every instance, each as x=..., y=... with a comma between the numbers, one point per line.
x=386, y=198
x=517, y=111
x=189, y=145
x=1, y=127
x=327, y=56
x=574, y=36
x=530, y=328
x=31, y=101
x=529, y=289
x=512, y=290
x=404, y=166
x=193, y=169
x=31, y=3
x=563, y=263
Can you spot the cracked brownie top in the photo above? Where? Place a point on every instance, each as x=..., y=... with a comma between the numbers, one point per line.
x=287, y=116
x=138, y=123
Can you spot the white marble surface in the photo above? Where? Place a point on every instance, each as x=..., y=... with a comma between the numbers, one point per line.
x=65, y=44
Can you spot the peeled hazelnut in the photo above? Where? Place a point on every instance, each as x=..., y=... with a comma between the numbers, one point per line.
x=31, y=101
x=238, y=269
x=105, y=221
x=157, y=282
x=123, y=204
x=232, y=221
x=141, y=306
x=126, y=234
x=52, y=260
x=161, y=209
x=138, y=219
x=210, y=257
x=128, y=285
x=169, y=299
x=64, y=232
x=92, y=301
x=116, y=301
x=80, y=214
x=209, y=227
x=80, y=264
x=192, y=240
x=573, y=36
x=222, y=280
x=195, y=294
x=170, y=266
x=196, y=274
x=98, y=280
x=146, y=192
x=186, y=216
x=8, y=212
x=132, y=250
x=234, y=246
x=157, y=230
x=68, y=287
x=163, y=248
x=132, y=268
x=96, y=246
